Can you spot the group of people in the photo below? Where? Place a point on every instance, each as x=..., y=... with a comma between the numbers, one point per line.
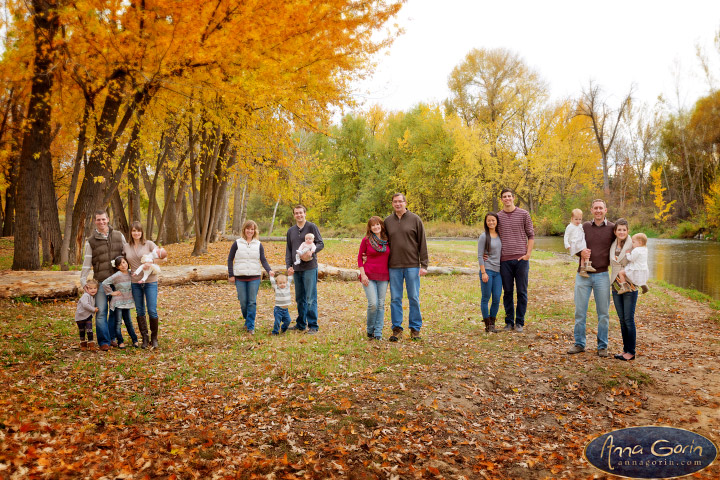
x=393, y=252
x=124, y=278
x=606, y=246
x=400, y=266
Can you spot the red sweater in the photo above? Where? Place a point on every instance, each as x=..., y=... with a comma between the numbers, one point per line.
x=376, y=263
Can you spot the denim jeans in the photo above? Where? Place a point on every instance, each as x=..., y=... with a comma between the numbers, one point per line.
x=282, y=320
x=411, y=277
x=123, y=315
x=599, y=284
x=491, y=288
x=145, y=294
x=102, y=327
x=375, y=293
x=625, y=307
x=306, y=299
x=514, y=274
x=247, y=294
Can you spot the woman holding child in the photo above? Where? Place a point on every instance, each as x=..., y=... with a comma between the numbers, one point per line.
x=489, y=247
x=374, y=274
x=144, y=293
x=245, y=263
x=624, y=295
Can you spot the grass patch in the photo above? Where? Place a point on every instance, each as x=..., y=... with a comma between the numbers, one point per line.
x=691, y=294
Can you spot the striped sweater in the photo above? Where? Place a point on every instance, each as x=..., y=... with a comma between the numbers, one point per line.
x=123, y=284
x=515, y=229
x=283, y=296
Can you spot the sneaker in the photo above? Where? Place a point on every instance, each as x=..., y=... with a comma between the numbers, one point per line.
x=393, y=338
x=519, y=328
x=311, y=331
x=379, y=339
x=575, y=349
x=296, y=328
x=251, y=332
x=602, y=352
x=415, y=334
x=274, y=333
x=370, y=336
x=508, y=327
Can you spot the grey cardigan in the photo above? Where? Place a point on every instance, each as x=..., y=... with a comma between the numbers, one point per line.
x=493, y=261
x=617, y=264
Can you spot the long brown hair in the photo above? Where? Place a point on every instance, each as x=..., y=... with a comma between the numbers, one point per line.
x=619, y=223
x=250, y=223
x=137, y=226
x=373, y=221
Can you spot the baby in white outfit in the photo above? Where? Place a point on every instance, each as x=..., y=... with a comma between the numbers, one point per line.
x=575, y=240
x=637, y=270
x=149, y=261
x=307, y=246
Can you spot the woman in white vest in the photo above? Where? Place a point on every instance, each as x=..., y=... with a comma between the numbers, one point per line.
x=245, y=263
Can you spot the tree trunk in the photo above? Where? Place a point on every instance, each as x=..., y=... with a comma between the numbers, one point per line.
x=239, y=205
x=119, y=218
x=36, y=137
x=79, y=155
x=272, y=223
x=10, y=195
x=49, y=218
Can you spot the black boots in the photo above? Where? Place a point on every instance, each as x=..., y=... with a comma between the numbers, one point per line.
x=153, y=332
x=142, y=325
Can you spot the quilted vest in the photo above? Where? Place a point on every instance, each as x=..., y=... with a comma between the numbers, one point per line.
x=247, y=258
x=103, y=251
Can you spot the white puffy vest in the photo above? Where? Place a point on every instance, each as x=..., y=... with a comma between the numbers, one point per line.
x=247, y=258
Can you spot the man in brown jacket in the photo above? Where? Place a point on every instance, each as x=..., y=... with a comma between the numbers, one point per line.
x=408, y=262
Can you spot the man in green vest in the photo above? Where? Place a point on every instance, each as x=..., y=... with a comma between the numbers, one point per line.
x=103, y=245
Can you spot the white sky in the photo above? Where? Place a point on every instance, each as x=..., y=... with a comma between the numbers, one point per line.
x=613, y=42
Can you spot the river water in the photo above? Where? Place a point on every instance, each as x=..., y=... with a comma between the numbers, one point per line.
x=686, y=263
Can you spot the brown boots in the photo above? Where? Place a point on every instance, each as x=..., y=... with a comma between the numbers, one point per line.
x=142, y=325
x=489, y=324
x=153, y=332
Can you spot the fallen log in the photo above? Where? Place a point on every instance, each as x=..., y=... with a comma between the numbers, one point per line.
x=57, y=284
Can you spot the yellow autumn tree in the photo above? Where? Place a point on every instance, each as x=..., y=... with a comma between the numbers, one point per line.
x=664, y=209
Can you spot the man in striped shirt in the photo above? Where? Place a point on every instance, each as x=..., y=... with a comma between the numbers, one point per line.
x=518, y=237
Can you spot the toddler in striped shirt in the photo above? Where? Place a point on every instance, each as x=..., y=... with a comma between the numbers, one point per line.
x=283, y=297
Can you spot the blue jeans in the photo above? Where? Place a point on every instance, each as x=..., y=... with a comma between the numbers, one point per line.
x=514, y=274
x=411, y=277
x=625, y=307
x=491, y=288
x=306, y=298
x=142, y=293
x=599, y=284
x=282, y=320
x=247, y=294
x=123, y=315
x=375, y=293
x=101, y=318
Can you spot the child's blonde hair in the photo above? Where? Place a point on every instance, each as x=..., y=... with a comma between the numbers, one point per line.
x=280, y=277
x=576, y=211
x=92, y=283
x=641, y=238
x=311, y=235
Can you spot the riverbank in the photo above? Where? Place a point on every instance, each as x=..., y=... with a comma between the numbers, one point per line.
x=458, y=404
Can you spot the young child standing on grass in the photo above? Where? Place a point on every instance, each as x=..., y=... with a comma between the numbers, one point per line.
x=637, y=270
x=121, y=302
x=283, y=297
x=84, y=313
x=575, y=240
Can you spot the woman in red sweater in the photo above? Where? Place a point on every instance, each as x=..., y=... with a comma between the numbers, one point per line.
x=374, y=275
